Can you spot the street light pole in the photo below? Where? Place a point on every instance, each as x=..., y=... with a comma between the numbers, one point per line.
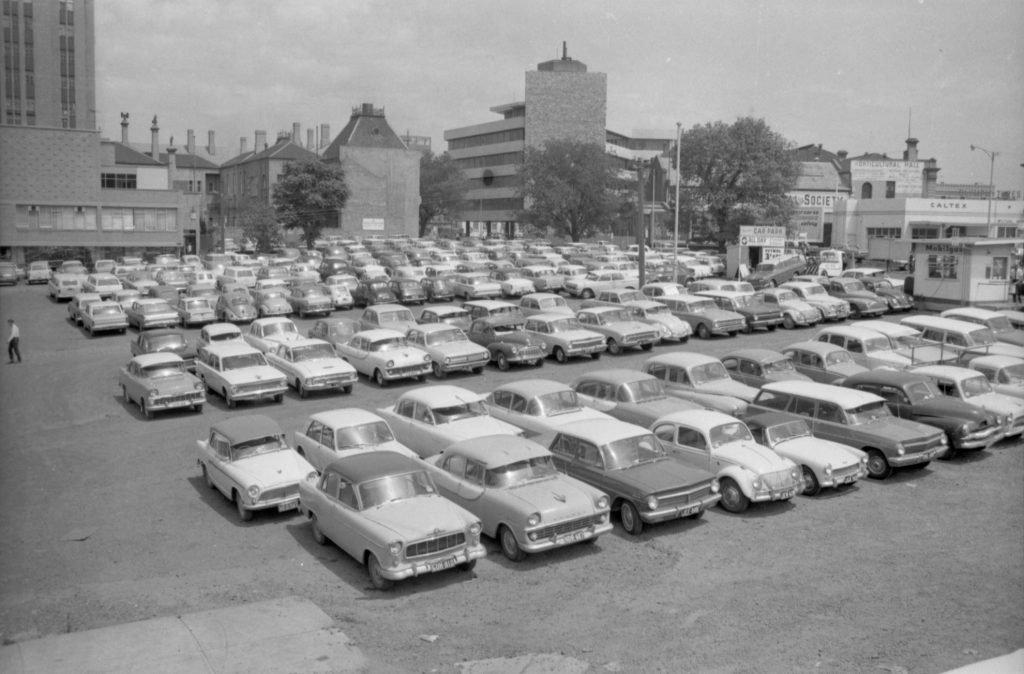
x=675, y=237
x=641, y=240
x=991, y=177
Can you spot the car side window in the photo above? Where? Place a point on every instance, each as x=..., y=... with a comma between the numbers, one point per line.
x=501, y=399
x=957, y=340
x=562, y=445
x=692, y=438
x=589, y=454
x=678, y=375
x=587, y=388
x=748, y=367
x=772, y=400
x=665, y=433
x=517, y=403
x=731, y=364
x=330, y=483
x=829, y=412
x=474, y=472
x=315, y=431
x=855, y=346
x=838, y=340
x=405, y=408
x=891, y=395
x=804, y=407
x=220, y=445
x=947, y=387
x=423, y=414
x=455, y=464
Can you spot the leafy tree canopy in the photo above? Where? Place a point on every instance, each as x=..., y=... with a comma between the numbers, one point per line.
x=259, y=224
x=309, y=195
x=570, y=187
x=743, y=171
x=443, y=188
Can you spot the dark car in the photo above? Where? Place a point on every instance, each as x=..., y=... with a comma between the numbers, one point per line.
x=862, y=301
x=917, y=397
x=165, y=341
x=755, y=312
x=164, y=292
x=894, y=296
x=334, y=265
x=437, y=289
x=776, y=272
x=408, y=291
x=504, y=337
x=377, y=291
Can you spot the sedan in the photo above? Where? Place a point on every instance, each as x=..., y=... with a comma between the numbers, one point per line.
x=312, y=365
x=385, y=356
x=159, y=381
x=343, y=432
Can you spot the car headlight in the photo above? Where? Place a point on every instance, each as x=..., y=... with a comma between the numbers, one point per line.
x=198, y=386
x=515, y=350
x=533, y=520
x=543, y=346
x=253, y=492
x=900, y=450
x=474, y=532
x=601, y=503
x=312, y=476
x=828, y=469
x=715, y=486
x=151, y=394
x=426, y=358
x=447, y=360
x=652, y=502
x=755, y=484
x=233, y=388
x=390, y=364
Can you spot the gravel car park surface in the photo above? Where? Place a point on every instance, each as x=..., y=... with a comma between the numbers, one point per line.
x=105, y=519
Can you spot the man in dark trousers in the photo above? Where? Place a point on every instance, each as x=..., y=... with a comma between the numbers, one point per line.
x=12, y=341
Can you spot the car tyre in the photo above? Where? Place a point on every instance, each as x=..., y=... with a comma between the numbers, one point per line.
x=146, y=412
x=587, y=294
x=228, y=399
x=438, y=370
x=703, y=331
x=503, y=364
x=560, y=355
x=244, y=514
x=124, y=394
x=811, y=484
x=377, y=578
x=206, y=477
x=630, y=517
x=614, y=347
x=378, y=377
x=878, y=466
x=279, y=398
x=197, y=408
x=318, y=534
x=509, y=545
x=478, y=370
x=346, y=389
x=467, y=566
x=300, y=387
x=788, y=323
x=733, y=498
x=595, y=356
x=648, y=346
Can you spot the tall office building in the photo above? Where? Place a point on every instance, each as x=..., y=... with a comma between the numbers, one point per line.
x=49, y=64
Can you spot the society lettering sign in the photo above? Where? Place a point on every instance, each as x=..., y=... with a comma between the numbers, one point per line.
x=763, y=235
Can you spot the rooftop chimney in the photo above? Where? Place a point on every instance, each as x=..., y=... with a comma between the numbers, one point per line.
x=325, y=135
x=154, y=143
x=172, y=162
x=296, y=133
x=242, y=149
x=911, y=152
x=310, y=143
x=124, y=128
x=190, y=144
x=210, y=147
x=261, y=141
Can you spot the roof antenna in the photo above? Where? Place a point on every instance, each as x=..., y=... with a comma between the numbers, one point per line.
x=910, y=117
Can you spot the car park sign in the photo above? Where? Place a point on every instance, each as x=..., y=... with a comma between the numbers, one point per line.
x=763, y=235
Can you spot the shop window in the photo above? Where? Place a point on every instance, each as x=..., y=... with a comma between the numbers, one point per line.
x=998, y=270
x=942, y=266
x=865, y=191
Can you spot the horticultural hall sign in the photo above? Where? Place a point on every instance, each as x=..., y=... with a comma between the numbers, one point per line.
x=908, y=175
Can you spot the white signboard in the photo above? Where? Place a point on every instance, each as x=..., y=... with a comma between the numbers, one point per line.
x=762, y=235
x=373, y=224
x=771, y=253
x=908, y=175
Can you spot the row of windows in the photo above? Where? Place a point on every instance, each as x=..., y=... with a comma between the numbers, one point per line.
x=11, y=8
x=506, y=136
x=510, y=204
x=867, y=189
x=943, y=266
x=504, y=159
x=67, y=12
x=118, y=181
x=84, y=218
x=884, y=232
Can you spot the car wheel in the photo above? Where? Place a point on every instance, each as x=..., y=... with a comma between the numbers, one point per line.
x=198, y=408
x=146, y=412
x=747, y=329
x=775, y=283
x=703, y=331
x=318, y=535
x=684, y=340
x=467, y=566
x=788, y=323
x=206, y=477
x=279, y=398
x=648, y=346
x=854, y=313
x=346, y=389
x=811, y=484
x=733, y=498
x=124, y=394
x=378, y=377
x=560, y=355
x=377, y=574
x=771, y=328
x=478, y=370
x=630, y=517
x=878, y=466
x=595, y=356
x=438, y=370
x=509, y=545
x=300, y=387
x=614, y=347
x=244, y=514
x=503, y=363
x=228, y=399
x=951, y=451
x=587, y=294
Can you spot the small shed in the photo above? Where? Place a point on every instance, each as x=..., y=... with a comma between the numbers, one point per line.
x=962, y=272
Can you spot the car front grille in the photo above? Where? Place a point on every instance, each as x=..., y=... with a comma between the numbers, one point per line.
x=180, y=398
x=682, y=498
x=431, y=546
x=585, y=343
x=413, y=369
x=531, y=352
x=732, y=325
x=917, y=446
x=568, y=526
x=259, y=387
x=780, y=479
x=842, y=473
x=277, y=493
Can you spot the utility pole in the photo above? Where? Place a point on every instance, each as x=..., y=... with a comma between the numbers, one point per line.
x=675, y=237
x=991, y=184
x=641, y=240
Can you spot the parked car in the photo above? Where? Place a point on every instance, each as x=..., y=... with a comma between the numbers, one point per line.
x=385, y=356
x=312, y=365
x=38, y=272
x=376, y=291
x=216, y=333
x=855, y=418
x=619, y=329
x=334, y=331
x=890, y=293
x=147, y=313
x=1005, y=373
x=628, y=395
x=437, y=289
x=408, y=291
x=629, y=464
x=831, y=308
x=63, y=286
x=315, y=300
x=194, y=311
x=966, y=340
x=823, y=463
x=565, y=337
x=390, y=316
x=721, y=444
x=755, y=367
x=427, y=419
x=449, y=348
x=140, y=279
x=248, y=460
x=474, y=285
x=974, y=388
x=78, y=305
x=910, y=395
x=795, y=311
x=271, y=301
x=756, y=314
x=159, y=381
x=545, y=279
x=449, y=314
x=522, y=500
x=595, y=281
x=512, y=282
x=343, y=432
x=998, y=323
x=863, y=302
x=507, y=341
x=486, y=308
x=704, y=316
x=661, y=289
x=539, y=303
x=776, y=272
x=657, y=315
x=165, y=340
x=340, y=290
x=907, y=342
x=235, y=307
x=383, y=509
x=538, y=405
x=868, y=347
x=701, y=379
x=239, y=372
x=267, y=333
x=103, y=316
x=822, y=362
x=105, y=285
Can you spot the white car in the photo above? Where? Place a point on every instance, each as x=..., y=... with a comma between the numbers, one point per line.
x=539, y=303
x=239, y=372
x=218, y=333
x=975, y=389
x=449, y=348
x=312, y=365
x=384, y=355
x=343, y=432
x=538, y=405
x=265, y=333
x=1005, y=373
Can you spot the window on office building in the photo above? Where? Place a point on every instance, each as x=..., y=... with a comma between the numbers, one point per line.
x=118, y=181
x=865, y=191
x=890, y=189
x=884, y=232
x=931, y=232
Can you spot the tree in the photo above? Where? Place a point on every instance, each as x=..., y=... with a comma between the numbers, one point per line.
x=259, y=224
x=308, y=195
x=570, y=187
x=443, y=188
x=743, y=172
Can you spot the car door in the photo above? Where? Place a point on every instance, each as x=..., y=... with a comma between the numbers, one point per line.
x=357, y=354
x=688, y=445
x=218, y=464
x=321, y=445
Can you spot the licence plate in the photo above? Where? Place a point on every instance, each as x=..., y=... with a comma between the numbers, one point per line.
x=785, y=494
x=686, y=512
x=288, y=505
x=442, y=565
x=848, y=479
x=573, y=537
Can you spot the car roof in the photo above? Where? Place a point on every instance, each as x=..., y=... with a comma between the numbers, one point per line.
x=997, y=361
x=511, y=318
x=230, y=348
x=162, y=332
x=951, y=371
x=601, y=431
x=539, y=296
x=847, y=397
x=377, y=308
x=148, y=359
x=972, y=312
x=441, y=395
x=490, y=304
x=697, y=418
x=304, y=341
x=379, y=333
x=603, y=309
x=435, y=327
x=246, y=427
x=885, y=376
x=371, y=465
x=940, y=323
x=548, y=316
x=532, y=388
x=760, y=355
x=445, y=309
x=768, y=419
x=615, y=376
x=345, y=416
x=221, y=328
x=272, y=319
x=498, y=450
x=887, y=327
x=820, y=348
x=850, y=331
x=682, y=359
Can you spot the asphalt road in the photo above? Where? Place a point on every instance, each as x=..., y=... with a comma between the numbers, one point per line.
x=104, y=519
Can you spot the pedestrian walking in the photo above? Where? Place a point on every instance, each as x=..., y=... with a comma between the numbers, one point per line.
x=12, y=341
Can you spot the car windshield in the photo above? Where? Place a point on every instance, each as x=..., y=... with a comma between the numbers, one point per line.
x=388, y=344
x=642, y=391
x=999, y=324
x=838, y=358
x=364, y=435
x=814, y=290
x=920, y=391
x=272, y=295
x=550, y=404
x=238, y=300
x=226, y=336
x=797, y=428
x=708, y=372
x=617, y=316
x=565, y=325
x=1011, y=374
x=655, y=310
x=155, y=308
x=449, y=413
x=975, y=386
x=520, y=472
x=257, y=446
x=733, y=431
x=551, y=302
x=106, y=310
x=699, y=306
x=851, y=286
x=780, y=366
x=633, y=451
x=742, y=301
x=312, y=352
x=163, y=342
x=445, y=337
x=243, y=360
x=395, y=316
x=279, y=329
x=631, y=296
x=869, y=412
x=980, y=337
x=373, y=493
x=165, y=369
x=197, y=304
x=883, y=285
x=785, y=296
x=507, y=328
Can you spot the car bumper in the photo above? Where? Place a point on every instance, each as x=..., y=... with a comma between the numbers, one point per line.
x=843, y=477
x=586, y=350
x=565, y=533
x=665, y=513
x=766, y=495
x=330, y=382
x=448, y=560
x=466, y=365
x=259, y=393
x=159, y=323
x=406, y=372
x=916, y=457
x=979, y=439
x=107, y=327
x=176, y=402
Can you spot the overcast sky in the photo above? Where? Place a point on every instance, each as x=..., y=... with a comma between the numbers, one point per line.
x=849, y=74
